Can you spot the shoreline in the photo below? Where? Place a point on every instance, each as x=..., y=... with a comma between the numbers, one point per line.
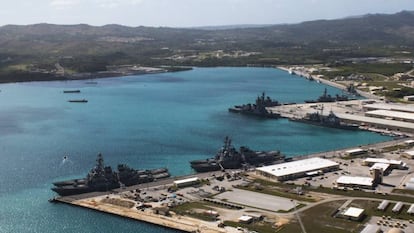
x=49, y=77
x=330, y=83
x=96, y=201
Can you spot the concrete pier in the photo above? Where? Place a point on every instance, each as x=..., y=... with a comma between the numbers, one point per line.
x=348, y=111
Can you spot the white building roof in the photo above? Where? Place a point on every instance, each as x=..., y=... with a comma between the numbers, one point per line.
x=245, y=218
x=354, y=150
x=409, y=186
x=300, y=166
x=383, y=205
x=371, y=228
x=397, y=207
x=411, y=209
x=410, y=141
x=383, y=166
x=353, y=212
x=185, y=181
x=377, y=121
x=411, y=152
x=392, y=114
x=395, y=107
x=356, y=180
x=380, y=160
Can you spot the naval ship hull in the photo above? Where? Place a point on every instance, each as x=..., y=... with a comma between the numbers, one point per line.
x=74, y=190
x=253, y=113
x=211, y=165
x=335, y=126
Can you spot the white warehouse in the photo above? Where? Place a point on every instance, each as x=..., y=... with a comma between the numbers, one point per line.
x=297, y=169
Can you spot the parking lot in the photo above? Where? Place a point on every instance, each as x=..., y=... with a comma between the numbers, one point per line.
x=258, y=200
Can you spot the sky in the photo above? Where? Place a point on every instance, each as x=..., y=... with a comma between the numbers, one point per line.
x=189, y=13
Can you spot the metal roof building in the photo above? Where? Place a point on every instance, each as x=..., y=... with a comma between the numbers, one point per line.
x=382, y=166
x=393, y=163
x=356, y=151
x=371, y=228
x=187, y=182
x=409, y=142
x=411, y=209
x=355, y=181
x=401, y=116
x=410, y=184
x=393, y=107
x=296, y=169
x=377, y=122
x=409, y=154
x=383, y=205
x=397, y=207
x=352, y=213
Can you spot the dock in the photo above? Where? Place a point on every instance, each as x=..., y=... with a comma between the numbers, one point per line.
x=181, y=223
x=123, y=201
x=351, y=111
x=96, y=201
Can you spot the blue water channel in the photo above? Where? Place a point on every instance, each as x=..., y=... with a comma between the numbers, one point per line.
x=145, y=121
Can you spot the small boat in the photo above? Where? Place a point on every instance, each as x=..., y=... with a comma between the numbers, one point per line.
x=91, y=82
x=78, y=101
x=72, y=91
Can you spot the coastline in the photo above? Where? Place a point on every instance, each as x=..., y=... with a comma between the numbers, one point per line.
x=96, y=201
x=115, y=72
x=330, y=83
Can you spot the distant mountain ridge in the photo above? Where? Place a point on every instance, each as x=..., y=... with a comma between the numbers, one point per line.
x=93, y=48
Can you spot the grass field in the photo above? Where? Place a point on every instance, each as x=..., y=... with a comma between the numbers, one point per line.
x=319, y=219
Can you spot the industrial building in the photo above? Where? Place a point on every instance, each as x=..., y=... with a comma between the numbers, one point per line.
x=409, y=142
x=355, y=182
x=394, y=164
x=383, y=167
x=410, y=184
x=371, y=228
x=352, y=213
x=357, y=151
x=409, y=154
x=383, y=205
x=297, y=169
x=391, y=107
x=187, y=182
x=411, y=209
x=375, y=122
x=397, y=207
x=409, y=98
x=391, y=115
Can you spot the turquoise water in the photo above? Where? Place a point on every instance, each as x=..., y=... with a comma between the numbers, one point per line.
x=147, y=121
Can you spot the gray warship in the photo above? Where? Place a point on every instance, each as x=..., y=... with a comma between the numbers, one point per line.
x=259, y=108
x=326, y=98
x=229, y=158
x=330, y=120
x=99, y=178
x=103, y=178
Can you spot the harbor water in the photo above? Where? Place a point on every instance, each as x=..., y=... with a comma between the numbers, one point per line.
x=145, y=121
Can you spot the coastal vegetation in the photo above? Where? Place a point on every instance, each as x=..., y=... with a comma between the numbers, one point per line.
x=48, y=52
x=366, y=68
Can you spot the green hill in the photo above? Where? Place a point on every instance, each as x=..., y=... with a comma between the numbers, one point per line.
x=28, y=51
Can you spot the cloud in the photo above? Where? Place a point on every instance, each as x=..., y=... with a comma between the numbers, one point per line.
x=61, y=4
x=116, y=3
